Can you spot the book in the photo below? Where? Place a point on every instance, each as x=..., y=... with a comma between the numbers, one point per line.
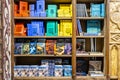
x=79, y=27
x=96, y=73
x=60, y=45
x=81, y=67
x=50, y=45
x=68, y=46
x=33, y=44
x=95, y=65
x=18, y=48
x=26, y=47
x=41, y=46
x=80, y=46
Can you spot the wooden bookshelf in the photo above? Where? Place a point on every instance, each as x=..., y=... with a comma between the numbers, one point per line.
x=42, y=56
x=43, y=78
x=90, y=18
x=74, y=56
x=43, y=37
x=42, y=18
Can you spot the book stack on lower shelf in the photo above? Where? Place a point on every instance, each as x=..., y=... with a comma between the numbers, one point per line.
x=48, y=68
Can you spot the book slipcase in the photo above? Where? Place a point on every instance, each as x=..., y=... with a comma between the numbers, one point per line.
x=69, y=32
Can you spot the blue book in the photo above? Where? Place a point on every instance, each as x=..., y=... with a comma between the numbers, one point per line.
x=102, y=10
x=41, y=27
x=95, y=10
x=32, y=7
x=33, y=46
x=79, y=26
x=40, y=5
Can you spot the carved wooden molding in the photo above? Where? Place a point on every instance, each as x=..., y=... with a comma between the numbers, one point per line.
x=113, y=60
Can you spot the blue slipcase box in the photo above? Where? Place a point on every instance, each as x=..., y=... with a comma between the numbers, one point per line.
x=40, y=5
x=32, y=7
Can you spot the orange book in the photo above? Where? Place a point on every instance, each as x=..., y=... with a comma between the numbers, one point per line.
x=16, y=14
x=19, y=30
x=24, y=8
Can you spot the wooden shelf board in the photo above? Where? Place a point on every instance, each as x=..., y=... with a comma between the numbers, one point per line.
x=86, y=1
x=113, y=77
x=48, y=1
x=42, y=18
x=44, y=78
x=88, y=77
x=42, y=55
x=43, y=37
x=89, y=55
x=88, y=18
x=89, y=36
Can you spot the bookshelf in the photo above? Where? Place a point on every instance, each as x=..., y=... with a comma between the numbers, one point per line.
x=101, y=40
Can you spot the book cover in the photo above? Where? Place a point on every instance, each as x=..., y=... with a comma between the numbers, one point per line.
x=26, y=46
x=68, y=46
x=18, y=48
x=60, y=45
x=33, y=44
x=81, y=67
x=79, y=27
x=95, y=65
x=50, y=45
x=80, y=46
x=41, y=46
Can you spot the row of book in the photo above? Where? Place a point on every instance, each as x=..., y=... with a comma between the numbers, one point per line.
x=38, y=28
x=85, y=67
x=93, y=28
x=96, y=10
x=48, y=67
x=42, y=46
x=53, y=47
x=38, y=9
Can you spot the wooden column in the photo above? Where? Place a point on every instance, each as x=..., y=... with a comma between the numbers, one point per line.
x=74, y=39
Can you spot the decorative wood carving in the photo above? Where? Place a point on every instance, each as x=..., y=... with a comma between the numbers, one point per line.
x=113, y=60
x=115, y=37
x=114, y=57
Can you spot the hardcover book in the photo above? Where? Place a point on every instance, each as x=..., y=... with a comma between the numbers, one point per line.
x=95, y=65
x=18, y=46
x=80, y=46
x=68, y=46
x=81, y=67
x=41, y=46
x=60, y=45
x=26, y=47
x=50, y=45
x=33, y=46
